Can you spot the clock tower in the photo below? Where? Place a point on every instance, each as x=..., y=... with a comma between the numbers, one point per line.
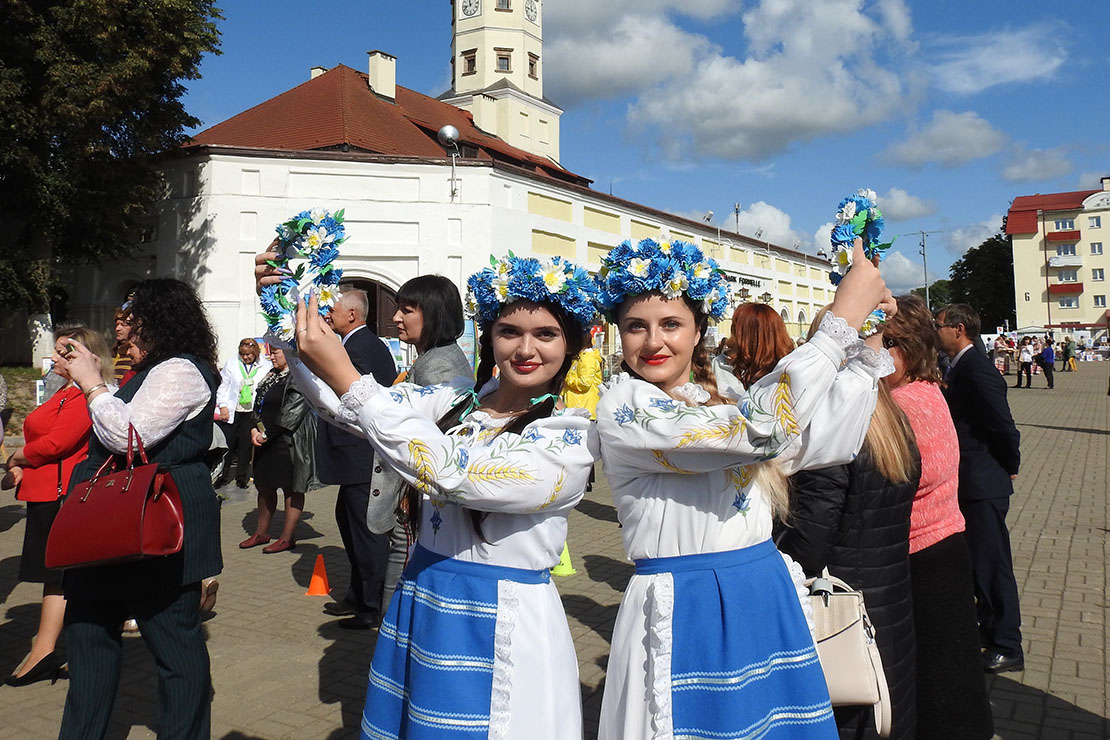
x=497, y=72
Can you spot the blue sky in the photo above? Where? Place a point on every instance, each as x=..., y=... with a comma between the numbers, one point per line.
x=947, y=109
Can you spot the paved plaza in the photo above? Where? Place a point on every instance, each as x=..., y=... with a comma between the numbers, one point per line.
x=282, y=669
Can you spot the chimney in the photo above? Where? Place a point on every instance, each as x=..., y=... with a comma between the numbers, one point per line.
x=316, y=72
x=383, y=74
x=1106, y=183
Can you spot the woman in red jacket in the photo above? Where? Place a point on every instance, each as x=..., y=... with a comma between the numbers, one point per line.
x=56, y=438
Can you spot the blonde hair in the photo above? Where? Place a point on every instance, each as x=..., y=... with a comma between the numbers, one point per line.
x=96, y=344
x=889, y=436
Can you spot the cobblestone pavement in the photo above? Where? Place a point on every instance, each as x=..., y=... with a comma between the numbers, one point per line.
x=282, y=669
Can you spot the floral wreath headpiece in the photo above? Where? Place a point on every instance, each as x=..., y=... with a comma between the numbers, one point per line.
x=673, y=268
x=307, y=246
x=858, y=215
x=513, y=278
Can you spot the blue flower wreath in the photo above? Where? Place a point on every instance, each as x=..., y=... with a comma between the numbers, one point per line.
x=512, y=278
x=673, y=268
x=857, y=215
x=307, y=246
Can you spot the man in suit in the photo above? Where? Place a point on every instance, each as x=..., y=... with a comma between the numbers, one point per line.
x=989, y=460
x=347, y=460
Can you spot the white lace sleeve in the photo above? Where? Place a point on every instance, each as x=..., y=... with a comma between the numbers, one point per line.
x=172, y=392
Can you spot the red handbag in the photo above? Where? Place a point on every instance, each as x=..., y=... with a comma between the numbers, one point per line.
x=118, y=515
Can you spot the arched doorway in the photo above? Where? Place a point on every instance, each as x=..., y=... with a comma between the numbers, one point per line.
x=383, y=304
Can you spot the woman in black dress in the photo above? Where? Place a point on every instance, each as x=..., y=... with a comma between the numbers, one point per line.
x=284, y=435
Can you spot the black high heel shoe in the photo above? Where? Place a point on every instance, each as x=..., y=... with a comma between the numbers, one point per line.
x=49, y=667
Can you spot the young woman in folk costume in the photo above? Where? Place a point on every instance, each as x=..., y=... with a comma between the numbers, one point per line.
x=475, y=640
x=711, y=640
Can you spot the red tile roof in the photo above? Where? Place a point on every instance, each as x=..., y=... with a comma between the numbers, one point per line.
x=1022, y=218
x=338, y=109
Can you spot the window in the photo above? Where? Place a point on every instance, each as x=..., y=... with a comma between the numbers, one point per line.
x=1098, y=274
x=1069, y=301
x=1069, y=276
x=785, y=316
x=470, y=62
x=533, y=66
x=1065, y=250
x=1094, y=222
x=1065, y=224
x=504, y=5
x=1100, y=301
x=1096, y=247
x=504, y=60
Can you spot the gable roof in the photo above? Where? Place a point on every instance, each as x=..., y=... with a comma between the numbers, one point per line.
x=338, y=111
x=1022, y=217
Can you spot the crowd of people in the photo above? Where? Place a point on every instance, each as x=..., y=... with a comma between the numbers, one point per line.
x=735, y=477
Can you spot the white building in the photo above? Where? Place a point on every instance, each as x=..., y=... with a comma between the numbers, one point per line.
x=357, y=141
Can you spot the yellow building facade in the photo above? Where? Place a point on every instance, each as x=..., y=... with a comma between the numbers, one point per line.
x=1060, y=262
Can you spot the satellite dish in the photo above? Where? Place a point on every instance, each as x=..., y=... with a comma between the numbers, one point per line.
x=448, y=136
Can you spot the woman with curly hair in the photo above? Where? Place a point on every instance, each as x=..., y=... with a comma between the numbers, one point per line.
x=170, y=402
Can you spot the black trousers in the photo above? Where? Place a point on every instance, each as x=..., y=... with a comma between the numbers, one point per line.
x=170, y=625
x=1048, y=373
x=367, y=552
x=1027, y=368
x=992, y=569
x=239, y=447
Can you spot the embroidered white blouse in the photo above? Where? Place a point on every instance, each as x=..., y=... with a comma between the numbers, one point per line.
x=525, y=483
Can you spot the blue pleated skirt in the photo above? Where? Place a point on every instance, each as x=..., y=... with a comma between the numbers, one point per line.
x=742, y=660
x=431, y=677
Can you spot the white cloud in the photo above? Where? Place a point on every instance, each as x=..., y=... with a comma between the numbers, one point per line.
x=950, y=139
x=822, y=238
x=792, y=83
x=970, y=64
x=1092, y=180
x=898, y=205
x=775, y=225
x=964, y=238
x=901, y=273
x=1027, y=165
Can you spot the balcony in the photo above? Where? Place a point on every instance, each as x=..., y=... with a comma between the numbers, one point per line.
x=1065, y=289
x=1063, y=236
x=1065, y=260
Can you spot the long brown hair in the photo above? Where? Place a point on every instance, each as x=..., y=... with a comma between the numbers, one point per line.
x=575, y=339
x=890, y=438
x=913, y=332
x=759, y=340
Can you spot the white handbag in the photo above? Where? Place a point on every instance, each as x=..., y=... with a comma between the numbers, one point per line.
x=847, y=649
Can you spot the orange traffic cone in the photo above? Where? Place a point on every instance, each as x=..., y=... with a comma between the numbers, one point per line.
x=318, y=586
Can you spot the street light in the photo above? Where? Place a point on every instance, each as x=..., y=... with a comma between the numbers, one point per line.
x=766, y=297
x=743, y=294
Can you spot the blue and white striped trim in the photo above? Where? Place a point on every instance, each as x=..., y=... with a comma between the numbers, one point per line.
x=732, y=680
x=777, y=717
x=447, y=605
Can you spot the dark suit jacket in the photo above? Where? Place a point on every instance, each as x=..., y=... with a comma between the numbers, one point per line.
x=341, y=457
x=989, y=441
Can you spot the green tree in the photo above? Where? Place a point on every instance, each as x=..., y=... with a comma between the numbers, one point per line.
x=984, y=279
x=940, y=293
x=89, y=103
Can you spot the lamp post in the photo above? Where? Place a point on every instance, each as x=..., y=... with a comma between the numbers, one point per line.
x=766, y=297
x=449, y=137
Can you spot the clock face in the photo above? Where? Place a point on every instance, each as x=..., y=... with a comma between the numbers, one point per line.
x=470, y=7
x=531, y=9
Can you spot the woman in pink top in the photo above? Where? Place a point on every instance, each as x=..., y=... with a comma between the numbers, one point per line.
x=951, y=691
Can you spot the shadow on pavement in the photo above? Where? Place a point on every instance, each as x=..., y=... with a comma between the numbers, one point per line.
x=1066, y=429
x=11, y=515
x=343, y=672
x=604, y=569
x=595, y=510
x=1023, y=712
x=9, y=577
x=598, y=617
